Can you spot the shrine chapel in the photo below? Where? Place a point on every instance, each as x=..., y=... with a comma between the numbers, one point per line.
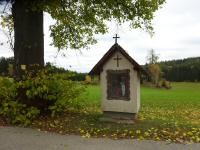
x=120, y=83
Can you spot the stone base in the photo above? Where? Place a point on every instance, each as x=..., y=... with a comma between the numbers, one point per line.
x=119, y=117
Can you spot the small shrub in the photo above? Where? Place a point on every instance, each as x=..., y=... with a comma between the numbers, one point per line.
x=164, y=84
x=14, y=111
x=88, y=79
x=18, y=113
x=92, y=80
x=7, y=90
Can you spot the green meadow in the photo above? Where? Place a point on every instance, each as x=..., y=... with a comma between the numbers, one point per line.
x=169, y=115
x=178, y=105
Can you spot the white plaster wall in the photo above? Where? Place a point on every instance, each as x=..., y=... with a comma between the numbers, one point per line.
x=131, y=106
x=138, y=92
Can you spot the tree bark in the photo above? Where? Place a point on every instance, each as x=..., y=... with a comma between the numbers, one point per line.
x=28, y=36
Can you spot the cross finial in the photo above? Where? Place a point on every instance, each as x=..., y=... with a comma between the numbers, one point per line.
x=116, y=37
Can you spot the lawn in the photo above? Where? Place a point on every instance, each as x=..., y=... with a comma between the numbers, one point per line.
x=170, y=115
x=179, y=105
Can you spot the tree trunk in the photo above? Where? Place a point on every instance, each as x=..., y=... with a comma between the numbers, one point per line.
x=28, y=36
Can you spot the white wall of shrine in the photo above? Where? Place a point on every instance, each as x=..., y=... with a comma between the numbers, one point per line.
x=131, y=106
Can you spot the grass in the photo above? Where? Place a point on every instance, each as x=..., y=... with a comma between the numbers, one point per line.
x=181, y=104
x=185, y=92
x=93, y=94
x=170, y=115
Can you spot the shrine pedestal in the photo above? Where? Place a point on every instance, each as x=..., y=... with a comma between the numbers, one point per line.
x=119, y=117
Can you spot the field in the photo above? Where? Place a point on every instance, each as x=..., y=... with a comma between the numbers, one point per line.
x=169, y=115
x=179, y=105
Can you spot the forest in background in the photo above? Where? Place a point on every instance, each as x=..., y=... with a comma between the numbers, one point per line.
x=181, y=70
x=7, y=70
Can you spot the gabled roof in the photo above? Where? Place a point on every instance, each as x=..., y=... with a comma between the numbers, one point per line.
x=116, y=47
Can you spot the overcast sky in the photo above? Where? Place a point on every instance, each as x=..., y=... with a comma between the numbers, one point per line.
x=177, y=35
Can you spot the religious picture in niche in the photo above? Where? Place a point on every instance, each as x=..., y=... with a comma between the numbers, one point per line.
x=118, y=84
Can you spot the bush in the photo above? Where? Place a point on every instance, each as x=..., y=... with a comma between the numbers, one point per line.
x=14, y=111
x=39, y=93
x=70, y=96
x=164, y=84
x=94, y=80
x=38, y=90
x=7, y=90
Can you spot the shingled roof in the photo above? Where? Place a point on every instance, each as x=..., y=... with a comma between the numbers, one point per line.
x=116, y=47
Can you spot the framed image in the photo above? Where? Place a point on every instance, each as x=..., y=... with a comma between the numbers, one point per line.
x=118, y=84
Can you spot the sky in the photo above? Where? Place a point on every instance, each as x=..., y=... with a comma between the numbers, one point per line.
x=177, y=36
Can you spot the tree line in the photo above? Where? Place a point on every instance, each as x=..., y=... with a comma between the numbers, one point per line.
x=174, y=70
x=181, y=70
x=4, y=65
x=5, y=69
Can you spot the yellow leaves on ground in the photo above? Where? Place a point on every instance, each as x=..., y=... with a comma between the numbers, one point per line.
x=88, y=125
x=160, y=118
x=172, y=135
x=187, y=114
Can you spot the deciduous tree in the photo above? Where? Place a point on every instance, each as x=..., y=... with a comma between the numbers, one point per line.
x=155, y=73
x=153, y=68
x=77, y=22
x=152, y=57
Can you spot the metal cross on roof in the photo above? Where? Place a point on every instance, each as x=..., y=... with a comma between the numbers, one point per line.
x=116, y=37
